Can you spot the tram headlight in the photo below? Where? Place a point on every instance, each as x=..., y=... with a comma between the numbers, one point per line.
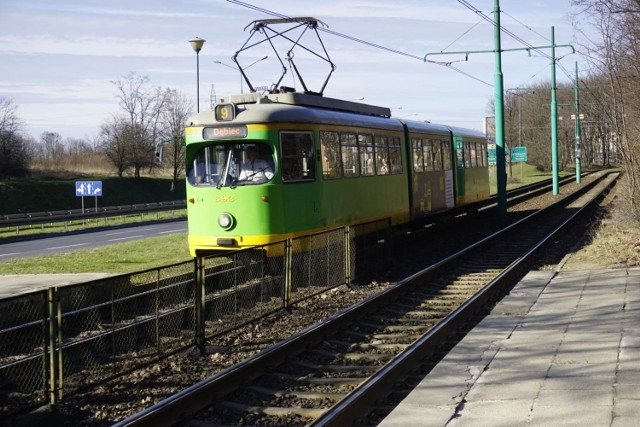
x=225, y=220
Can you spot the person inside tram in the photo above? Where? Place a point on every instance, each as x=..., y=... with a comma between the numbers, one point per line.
x=254, y=169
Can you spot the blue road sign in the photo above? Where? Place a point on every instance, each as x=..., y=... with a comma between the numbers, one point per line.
x=88, y=188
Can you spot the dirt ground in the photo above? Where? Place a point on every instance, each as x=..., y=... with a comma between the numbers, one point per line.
x=612, y=243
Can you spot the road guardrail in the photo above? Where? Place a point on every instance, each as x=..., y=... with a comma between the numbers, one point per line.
x=35, y=218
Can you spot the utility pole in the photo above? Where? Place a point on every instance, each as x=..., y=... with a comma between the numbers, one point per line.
x=554, y=118
x=498, y=95
x=499, y=105
x=578, y=148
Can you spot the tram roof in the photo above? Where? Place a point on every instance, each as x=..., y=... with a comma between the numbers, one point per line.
x=299, y=108
x=309, y=100
x=309, y=108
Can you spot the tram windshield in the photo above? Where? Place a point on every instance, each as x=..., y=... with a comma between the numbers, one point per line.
x=232, y=165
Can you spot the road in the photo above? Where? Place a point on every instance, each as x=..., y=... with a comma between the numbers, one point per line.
x=71, y=242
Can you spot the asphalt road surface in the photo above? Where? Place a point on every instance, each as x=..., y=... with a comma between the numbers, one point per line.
x=91, y=239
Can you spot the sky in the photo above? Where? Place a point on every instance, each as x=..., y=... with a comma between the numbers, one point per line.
x=58, y=60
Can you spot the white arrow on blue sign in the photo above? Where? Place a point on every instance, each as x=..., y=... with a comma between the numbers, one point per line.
x=88, y=188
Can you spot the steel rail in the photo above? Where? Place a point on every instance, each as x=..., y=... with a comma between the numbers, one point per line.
x=180, y=406
x=357, y=402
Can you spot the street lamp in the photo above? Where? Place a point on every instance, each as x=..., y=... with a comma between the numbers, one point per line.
x=241, y=77
x=196, y=44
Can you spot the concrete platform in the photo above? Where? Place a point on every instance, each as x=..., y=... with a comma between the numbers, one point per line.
x=18, y=284
x=562, y=349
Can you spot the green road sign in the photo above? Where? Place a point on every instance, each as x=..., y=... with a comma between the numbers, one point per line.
x=518, y=154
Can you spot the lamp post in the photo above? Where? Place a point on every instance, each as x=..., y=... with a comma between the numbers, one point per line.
x=231, y=66
x=196, y=44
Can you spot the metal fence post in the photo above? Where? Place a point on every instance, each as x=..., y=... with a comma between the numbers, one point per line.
x=157, y=311
x=288, y=268
x=199, y=295
x=54, y=317
x=347, y=252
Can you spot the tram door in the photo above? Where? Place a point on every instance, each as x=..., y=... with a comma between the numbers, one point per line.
x=298, y=169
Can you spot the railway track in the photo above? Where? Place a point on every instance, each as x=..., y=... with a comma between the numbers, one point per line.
x=334, y=372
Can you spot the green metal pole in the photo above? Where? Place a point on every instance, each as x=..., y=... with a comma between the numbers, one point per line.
x=554, y=117
x=578, y=148
x=499, y=106
x=501, y=178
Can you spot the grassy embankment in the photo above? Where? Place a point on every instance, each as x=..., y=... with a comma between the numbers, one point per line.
x=35, y=196
x=56, y=195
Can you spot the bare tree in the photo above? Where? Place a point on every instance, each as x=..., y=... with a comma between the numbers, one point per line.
x=143, y=106
x=616, y=56
x=14, y=154
x=114, y=139
x=53, y=148
x=174, y=117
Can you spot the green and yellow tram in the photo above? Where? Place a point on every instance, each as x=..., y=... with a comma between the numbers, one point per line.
x=263, y=168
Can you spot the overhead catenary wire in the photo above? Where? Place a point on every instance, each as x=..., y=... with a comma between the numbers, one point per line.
x=511, y=34
x=526, y=26
x=463, y=34
x=361, y=41
x=465, y=3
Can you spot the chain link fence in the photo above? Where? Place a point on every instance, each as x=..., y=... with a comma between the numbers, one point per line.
x=23, y=338
x=60, y=341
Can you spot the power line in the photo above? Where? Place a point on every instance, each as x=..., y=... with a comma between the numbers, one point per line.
x=526, y=26
x=511, y=34
x=361, y=41
x=463, y=34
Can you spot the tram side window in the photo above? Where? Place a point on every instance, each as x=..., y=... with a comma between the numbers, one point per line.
x=467, y=155
x=382, y=155
x=446, y=155
x=395, y=155
x=367, y=155
x=418, y=162
x=472, y=149
x=427, y=156
x=485, y=160
x=349, y=148
x=460, y=154
x=298, y=160
x=331, y=159
x=481, y=154
x=437, y=155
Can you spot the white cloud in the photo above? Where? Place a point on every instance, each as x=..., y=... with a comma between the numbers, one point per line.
x=90, y=46
x=59, y=57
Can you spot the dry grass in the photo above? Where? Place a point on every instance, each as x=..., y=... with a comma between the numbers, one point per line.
x=615, y=242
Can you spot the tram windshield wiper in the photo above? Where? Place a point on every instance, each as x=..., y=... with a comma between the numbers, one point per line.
x=225, y=168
